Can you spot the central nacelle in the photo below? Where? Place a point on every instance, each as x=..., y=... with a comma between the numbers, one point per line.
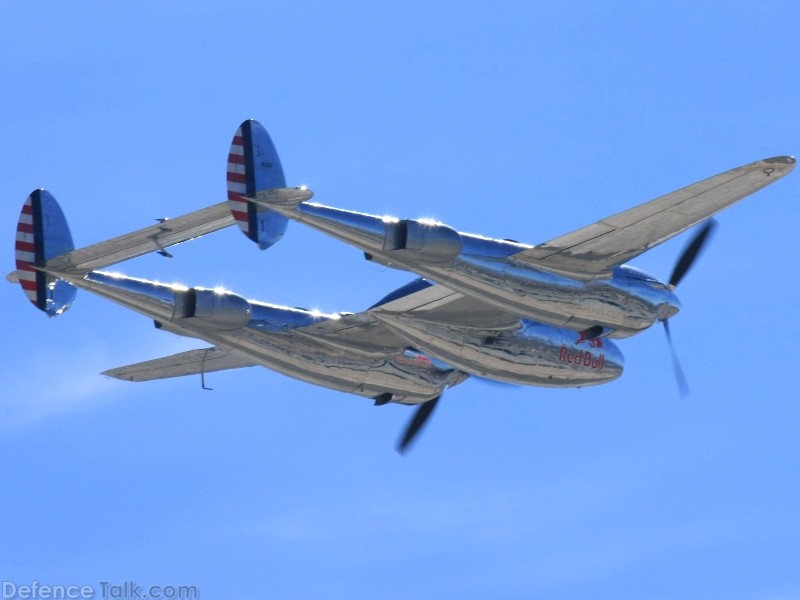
x=533, y=354
x=421, y=241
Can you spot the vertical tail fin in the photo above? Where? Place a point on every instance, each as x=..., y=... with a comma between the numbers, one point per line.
x=42, y=233
x=254, y=166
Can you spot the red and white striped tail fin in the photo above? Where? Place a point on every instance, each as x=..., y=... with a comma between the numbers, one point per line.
x=29, y=278
x=42, y=233
x=237, y=183
x=254, y=166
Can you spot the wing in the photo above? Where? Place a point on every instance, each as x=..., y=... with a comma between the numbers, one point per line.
x=193, y=362
x=150, y=239
x=436, y=304
x=595, y=250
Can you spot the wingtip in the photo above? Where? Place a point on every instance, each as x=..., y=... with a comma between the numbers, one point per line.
x=777, y=166
x=781, y=160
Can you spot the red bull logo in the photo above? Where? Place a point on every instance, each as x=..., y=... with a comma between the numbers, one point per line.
x=419, y=360
x=594, y=342
x=582, y=358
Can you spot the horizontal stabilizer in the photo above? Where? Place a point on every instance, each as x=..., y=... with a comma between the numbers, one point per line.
x=193, y=362
x=150, y=239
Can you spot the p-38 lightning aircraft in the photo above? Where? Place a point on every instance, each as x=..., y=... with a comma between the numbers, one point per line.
x=531, y=315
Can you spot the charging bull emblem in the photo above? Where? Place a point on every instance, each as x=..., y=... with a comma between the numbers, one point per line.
x=594, y=342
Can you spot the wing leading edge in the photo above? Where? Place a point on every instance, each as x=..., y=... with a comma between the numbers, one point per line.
x=595, y=250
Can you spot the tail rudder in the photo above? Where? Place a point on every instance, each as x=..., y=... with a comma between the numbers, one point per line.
x=43, y=233
x=254, y=166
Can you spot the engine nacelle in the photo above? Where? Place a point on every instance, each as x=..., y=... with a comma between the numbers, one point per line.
x=216, y=309
x=422, y=241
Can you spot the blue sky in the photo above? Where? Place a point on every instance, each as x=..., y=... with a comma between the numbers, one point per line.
x=515, y=120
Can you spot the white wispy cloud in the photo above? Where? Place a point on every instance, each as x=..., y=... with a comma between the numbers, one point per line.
x=49, y=382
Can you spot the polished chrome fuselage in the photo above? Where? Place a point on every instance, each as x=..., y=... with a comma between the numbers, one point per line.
x=623, y=304
x=533, y=354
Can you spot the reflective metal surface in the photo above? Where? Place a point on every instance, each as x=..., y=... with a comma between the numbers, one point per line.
x=623, y=304
x=576, y=281
x=534, y=354
x=503, y=310
x=274, y=337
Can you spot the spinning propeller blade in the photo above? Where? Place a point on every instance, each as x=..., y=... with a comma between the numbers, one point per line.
x=682, y=266
x=691, y=253
x=683, y=387
x=420, y=417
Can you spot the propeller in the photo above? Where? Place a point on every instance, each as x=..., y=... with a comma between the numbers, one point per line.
x=691, y=253
x=683, y=387
x=682, y=266
x=419, y=419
